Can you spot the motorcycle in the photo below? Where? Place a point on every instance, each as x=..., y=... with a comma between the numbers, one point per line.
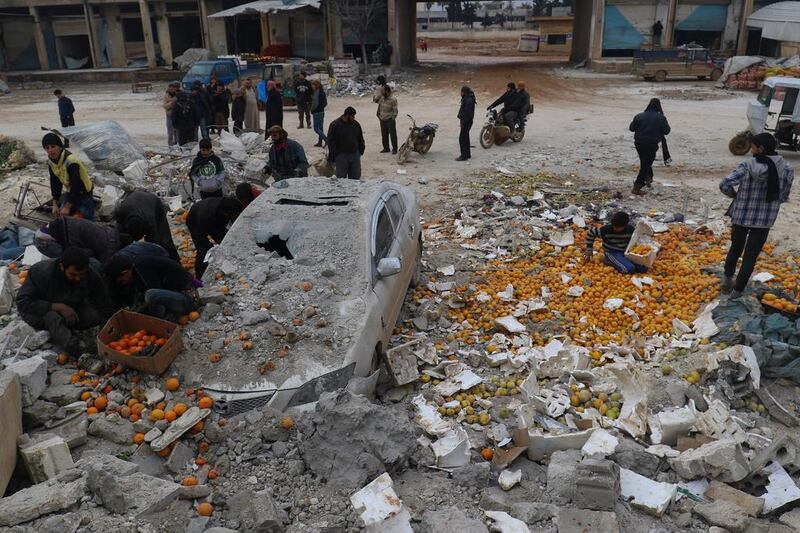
x=496, y=131
x=420, y=139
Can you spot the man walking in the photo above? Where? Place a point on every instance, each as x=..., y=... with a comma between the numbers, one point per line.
x=466, y=114
x=303, y=90
x=66, y=111
x=387, y=116
x=346, y=145
x=170, y=97
x=649, y=128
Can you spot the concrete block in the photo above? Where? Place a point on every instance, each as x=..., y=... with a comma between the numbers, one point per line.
x=597, y=485
x=751, y=505
x=194, y=492
x=72, y=429
x=449, y=521
x=62, y=394
x=39, y=500
x=262, y=515
x=584, y=521
x=474, y=475
x=106, y=463
x=32, y=374
x=6, y=291
x=136, y=494
x=667, y=426
x=113, y=428
x=723, y=514
x=504, y=522
x=540, y=445
x=791, y=519
x=39, y=413
x=648, y=495
x=11, y=424
x=46, y=459
x=561, y=475
x=180, y=456
x=721, y=459
x=784, y=450
x=533, y=512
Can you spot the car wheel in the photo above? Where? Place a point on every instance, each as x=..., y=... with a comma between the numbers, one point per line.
x=661, y=75
x=416, y=276
x=739, y=145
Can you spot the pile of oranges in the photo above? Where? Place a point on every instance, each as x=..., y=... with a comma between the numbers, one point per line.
x=781, y=304
x=641, y=249
x=133, y=343
x=183, y=242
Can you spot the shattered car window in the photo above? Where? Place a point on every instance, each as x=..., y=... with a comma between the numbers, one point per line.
x=384, y=234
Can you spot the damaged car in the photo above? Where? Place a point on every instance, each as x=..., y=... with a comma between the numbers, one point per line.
x=314, y=272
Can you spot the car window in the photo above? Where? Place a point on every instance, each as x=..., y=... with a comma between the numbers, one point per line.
x=395, y=210
x=384, y=235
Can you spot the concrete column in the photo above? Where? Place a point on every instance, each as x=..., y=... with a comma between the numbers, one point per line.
x=90, y=33
x=668, y=39
x=393, y=34
x=204, y=24
x=741, y=44
x=38, y=36
x=598, y=17
x=147, y=29
x=266, y=36
x=116, y=37
x=217, y=35
x=162, y=27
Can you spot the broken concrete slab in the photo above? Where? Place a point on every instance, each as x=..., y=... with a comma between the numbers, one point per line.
x=136, y=494
x=148, y=461
x=648, y=495
x=596, y=484
x=450, y=520
x=402, y=363
x=112, y=428
x=62, y=394
x=584, y=521
x=32, y=374
x=505, y=523
x=183, y=424
x=667, y=426
x=724, y=514
x=39, y=500
x=475, y=475
x=785, y=450
x=45, y=459
x=601, y=444
x=262, y=514
x=380, y=508
x=11, y=422
x=39, y=413
x=180, y=456
x=751, y=505
x=561, y=475
x=721, y=459
x=73, y=429
x=541, y=445
x=775, y=409
x=534, y=512
x=194, y=492
x=633, y=456
x=791, y=519
x=110, y=464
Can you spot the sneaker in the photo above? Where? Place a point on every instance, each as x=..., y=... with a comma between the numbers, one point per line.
x=384, y=151
x=637, y=189
x=461, y=158
x=318, y=145
x=667, y=162
x=727, y=285
x=735, y=295
x=394, y=151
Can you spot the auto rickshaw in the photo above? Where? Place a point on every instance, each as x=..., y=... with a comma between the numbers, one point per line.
x=787, y=123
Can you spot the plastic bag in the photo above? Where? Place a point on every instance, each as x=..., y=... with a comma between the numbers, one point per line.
x=107, y=144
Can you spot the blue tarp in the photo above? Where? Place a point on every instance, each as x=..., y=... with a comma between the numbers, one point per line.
x=705, y=18
x=618, y=32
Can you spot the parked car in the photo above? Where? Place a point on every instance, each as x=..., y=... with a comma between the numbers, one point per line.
x=347, y=249
x=681, y=62
x=226, y=70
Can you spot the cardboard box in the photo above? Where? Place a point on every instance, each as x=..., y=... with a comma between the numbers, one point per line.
x=643, y=234
x=129, y=322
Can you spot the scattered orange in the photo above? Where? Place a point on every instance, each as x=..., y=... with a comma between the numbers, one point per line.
x=180, y=408
x=287, y=422
x=203, y=446
x=125, y=411
x=92, y=411
x=156, y=415
x=172, y=384
x=101, y=402
x=189, y=481
x=170, y=416
x=137, y=408
x=487, y=454
x=200, y=461
x=165, y=452
x=138, y=438
x=306, y=286
x=214, y=357
x=244, y=335
x=161, y=405
x=205, y=402
x=135, y=418
x=194, y=315
x=85, y=395
x=205, y=509
x=247, y=345
x=212, y=474
x=62, y=359
x=197, y=428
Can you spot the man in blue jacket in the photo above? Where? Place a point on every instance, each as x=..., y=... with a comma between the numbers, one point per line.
x=66, y=111
x=287, y=159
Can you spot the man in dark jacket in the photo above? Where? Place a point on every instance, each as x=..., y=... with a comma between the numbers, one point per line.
x=202, y=108
x=346, y=145
x=98, y=240
x=64, y=295
x=524, y=107
x=466, y=114
x=273, y=107
x=210, y=218
x=303, y=90
x=649, y=128
x=184, y=118
x=69, y=176
x=511, y=101
x=142, y=215
x=287, y=159
x=156, y=285
x=237, y=110
x=66, y=111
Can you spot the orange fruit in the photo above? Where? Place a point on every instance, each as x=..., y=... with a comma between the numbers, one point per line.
x=172, y=384
x=487, y=454
x=92, y=411
x=180, y=408
x=62, y=359
x=205, y=509
x=205, y=402
x=137, y=408
x=161, y=405
x=165, y=452
x=170, y=416
x=212, y=474
x=306, y=286
x=244, y=335
x=138, y=438
x=194, y=315
x=200, y=461
x=101, y=402
x=125, y=411
x=197, y=428
x=189, y=481
x=183, y=320
x=203, y=446
x=86, y=395
x=135, y=418
x=214, y=357
x=247, y=345
x=156, y=415
x=287, y=422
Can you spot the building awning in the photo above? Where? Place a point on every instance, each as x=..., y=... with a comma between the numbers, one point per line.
x=780, y=21
x=267, y=6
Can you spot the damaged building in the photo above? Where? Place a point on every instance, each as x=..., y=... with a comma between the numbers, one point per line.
x=59, y=34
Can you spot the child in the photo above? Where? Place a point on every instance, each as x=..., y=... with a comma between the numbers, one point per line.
x=246, y=193
x=237, y=111
x=615, y=237
x=66, y=111
x=207, y=172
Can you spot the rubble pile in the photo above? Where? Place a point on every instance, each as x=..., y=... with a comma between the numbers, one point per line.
x=14, y=154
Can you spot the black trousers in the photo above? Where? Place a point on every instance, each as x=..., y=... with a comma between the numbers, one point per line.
x=389, y=130
x=304, y=110
x=647, y=154
x=665, y=150
x=463, y=139
x=187, y=135
x=63, y=334
x=750, y=241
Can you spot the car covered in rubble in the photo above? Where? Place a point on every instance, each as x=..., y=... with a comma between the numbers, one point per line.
x=314, y=272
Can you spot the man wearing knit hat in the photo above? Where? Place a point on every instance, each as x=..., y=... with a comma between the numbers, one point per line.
x=287, y=159
x=70, y=183
x=346, y=145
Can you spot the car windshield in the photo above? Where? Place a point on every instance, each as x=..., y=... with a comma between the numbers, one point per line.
x=200, y=70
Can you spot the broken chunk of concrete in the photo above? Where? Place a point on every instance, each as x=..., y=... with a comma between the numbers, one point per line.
x=541, y=445
x=73, y=429
x=153, y=396
x=505, y=523
x=112, y=428
x=648, y=495
x=508, y=479
x=11, y=422
x=194, y=492
x=450, y=520
x=180, y=456
x=62, y=394
x=600, y=443
x=32, y=377
x=45, y=459
x=724, y=514
x=721, y=459
x=452, y=449
x=781, y=489
x=41, y=499
x=402, y=363
x=562, y=471
x=743, y=355
x=775, y=409
x=136, y=494
x=751, y=505
x=106, y=463
x=380, y=508
x=667, y=426
x=596, y=484
x=261, y=514
x=585, y=521
x=183, y=424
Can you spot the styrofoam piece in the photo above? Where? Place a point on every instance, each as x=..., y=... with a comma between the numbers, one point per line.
x=508, y=479
x=510, y=324
x=507, y=294
x=32, y=256
x=744, y=355
x=704, y=325
x=633, y=416
x=505, y=523
x=666, y=426
x=380, y=507
x=575, y=291
x=452, y=449
x=601, y=442
x=428, y=418
x=650, y=496
x=612, y=304
x=763, y=277
x=781, y=489
x=541, y=445
x=642, y=235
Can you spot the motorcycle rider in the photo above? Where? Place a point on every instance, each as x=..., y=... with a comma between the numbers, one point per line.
x=524, y=105
x=511, y=104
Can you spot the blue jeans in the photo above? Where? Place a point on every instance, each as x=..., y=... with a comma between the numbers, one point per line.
x=622, y=264
x=319, y=120
x=80, y=204
x=162, y=303
x=204, y=128
x=172, y=133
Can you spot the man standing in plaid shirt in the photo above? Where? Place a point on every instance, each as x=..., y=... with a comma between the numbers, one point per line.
x=758, y=187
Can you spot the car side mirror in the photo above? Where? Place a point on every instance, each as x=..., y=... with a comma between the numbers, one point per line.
x=389, y=266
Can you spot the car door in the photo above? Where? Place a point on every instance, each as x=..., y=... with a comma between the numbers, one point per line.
x=386, y=242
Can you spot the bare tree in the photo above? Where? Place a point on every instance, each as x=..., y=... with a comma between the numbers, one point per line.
x=358, y=16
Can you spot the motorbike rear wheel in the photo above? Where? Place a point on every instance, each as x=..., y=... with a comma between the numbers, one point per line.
x=518, y=135
x=404, y=152
x=425, y=145
x=487, y=136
